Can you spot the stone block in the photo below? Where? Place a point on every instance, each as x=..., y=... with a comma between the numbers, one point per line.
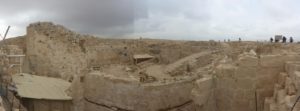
x=262, y=94
x=201, y=98
x=290, y=86
x=297, y=80
x=204, y=83
x=280, y=97
x=281, y=107
x=267, y=103
x=265, y=82
x=249, y=94
x=239, y=94
x=242, y=105
x=269, y=71
x=291, y=90
x=281, y=79
x=202, y=91
x=224, y=104
x=246, y=83
x=291, y=71
x=289, y=101
x=276, y=89
x=271, y=61
x=273, y=107
x=291, y=66
x=231, y=83
x=226, y=71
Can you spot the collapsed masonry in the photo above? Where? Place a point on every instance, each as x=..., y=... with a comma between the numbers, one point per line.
x=163, y=75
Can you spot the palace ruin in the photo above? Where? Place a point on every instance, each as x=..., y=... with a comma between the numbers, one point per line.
x=52, y=68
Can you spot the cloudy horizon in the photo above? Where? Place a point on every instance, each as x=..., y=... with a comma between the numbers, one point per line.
x=159, y=19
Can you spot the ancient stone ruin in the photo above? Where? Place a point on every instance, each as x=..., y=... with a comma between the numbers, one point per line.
x=52, y=68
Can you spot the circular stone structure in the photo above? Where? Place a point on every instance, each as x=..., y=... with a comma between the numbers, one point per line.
x=130, y=94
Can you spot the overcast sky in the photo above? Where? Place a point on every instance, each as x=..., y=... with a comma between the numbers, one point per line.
x=163, y=19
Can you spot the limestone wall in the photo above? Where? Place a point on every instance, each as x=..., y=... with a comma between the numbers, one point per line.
x=203, y=94
x=50, y=51
x=286, y=90
x=236, y=81
x=270, y=68
x=252, y=78
x=131, y=95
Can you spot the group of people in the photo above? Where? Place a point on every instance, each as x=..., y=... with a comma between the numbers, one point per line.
x=283, y=39
x=240, y=40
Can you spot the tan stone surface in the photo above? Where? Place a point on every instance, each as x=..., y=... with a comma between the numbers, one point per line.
x=183, y=75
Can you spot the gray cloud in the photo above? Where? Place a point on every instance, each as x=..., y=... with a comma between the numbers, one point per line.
x=92, y=16
x=167, y=19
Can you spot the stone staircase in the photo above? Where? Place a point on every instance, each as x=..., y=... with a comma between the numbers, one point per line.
x=286, y=90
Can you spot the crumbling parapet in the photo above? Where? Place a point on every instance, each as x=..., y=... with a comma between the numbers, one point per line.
x=50, y=45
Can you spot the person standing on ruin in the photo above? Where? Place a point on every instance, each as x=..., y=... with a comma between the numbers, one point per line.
x=240, y=40
x=271, y=39
x=291, y=40
x=284, y=39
